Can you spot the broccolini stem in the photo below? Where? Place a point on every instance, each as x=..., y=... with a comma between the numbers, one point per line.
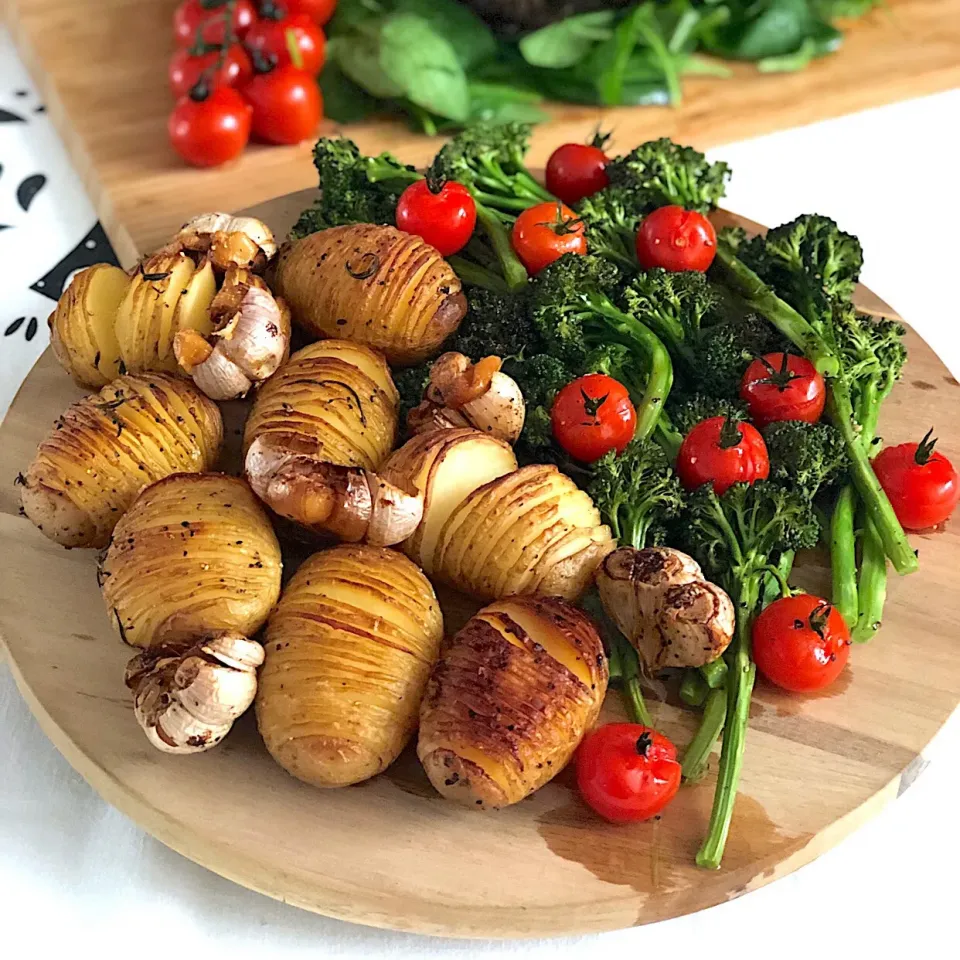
x=500, y=202
x=895, y=543
x=382, y=173
x=693, y=688
x=715, y=673
x=668, y=436
x=843, y=558
x=514, y=272
x=776, y=585
x=477, y=276
x=633, y=693
x=698, y=752
x=873, y=585
x=787, y=320
x=740, y=682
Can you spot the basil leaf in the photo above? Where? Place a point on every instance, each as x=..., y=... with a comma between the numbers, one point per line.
x=566, y=42
x=501, y=103
x=358, y=56
x=470, y=37
x=343, y=100
x=766, y=29
x=424, y=65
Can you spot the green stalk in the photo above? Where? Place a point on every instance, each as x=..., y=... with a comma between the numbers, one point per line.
x=633, y=692
x=715, y=673
x=873, y=585
x=477, y=276
x=740, y=682
x=693, y=688
x=514, y=272
x=698, y=752
x=843, y=557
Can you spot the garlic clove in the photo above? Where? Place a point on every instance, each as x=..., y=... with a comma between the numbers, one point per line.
x=395, y=513
x=230, y=241
x=500, y=410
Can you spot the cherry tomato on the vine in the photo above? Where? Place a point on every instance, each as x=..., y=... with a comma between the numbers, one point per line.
x=676, y=239
x=211, y=15
x=274, y=33
x=546, y=232
x=441, y=212
x=922, y=484
x=287, y=105
x=783, y=386
x=577, y=170
x=209, y=127
x=593, y=415
x=722, y=452
x=187, y=67
x=800, y=643
x=627, y=772
x=319, y=11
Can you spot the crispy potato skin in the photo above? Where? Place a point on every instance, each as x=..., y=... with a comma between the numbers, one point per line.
x=107, y=447
x=532, y=531
x=195, y=554
x=501, y=715
x=348, y=652
x=374, y=285
x=334, y=396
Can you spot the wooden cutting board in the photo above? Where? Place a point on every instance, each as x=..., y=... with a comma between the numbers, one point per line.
x=391, y=852
x=101, y=66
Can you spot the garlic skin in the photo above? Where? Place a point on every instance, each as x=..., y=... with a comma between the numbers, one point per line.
x=661, y=602
x=186, y=701
x=228, y=240
x=465, y=394
x=354, y=504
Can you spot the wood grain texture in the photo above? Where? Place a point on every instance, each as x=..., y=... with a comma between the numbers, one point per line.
x=391, y=852
x=101, y=67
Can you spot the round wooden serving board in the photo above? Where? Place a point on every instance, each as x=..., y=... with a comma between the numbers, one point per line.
x=391, y=852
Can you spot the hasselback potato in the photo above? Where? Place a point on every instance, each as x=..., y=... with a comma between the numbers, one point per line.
x=374, y=285
x=195, y=555
x=509, y=700
x=107, y=447
x=348, y=652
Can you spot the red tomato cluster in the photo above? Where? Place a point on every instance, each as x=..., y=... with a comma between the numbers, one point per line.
x=254, y=76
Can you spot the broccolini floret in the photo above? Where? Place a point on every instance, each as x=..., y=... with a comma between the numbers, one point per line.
x=806, y=457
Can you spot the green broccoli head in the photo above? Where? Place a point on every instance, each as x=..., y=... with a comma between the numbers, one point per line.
x=495, y=324
x=806, y=457
x=673, y=305
x=665, y=172
x=353, y=188
x=483, y=152
x=687, y=410
x=410, y=383
x=637, y=493
x=871, y=348
x=539, y=377
x=611, y=218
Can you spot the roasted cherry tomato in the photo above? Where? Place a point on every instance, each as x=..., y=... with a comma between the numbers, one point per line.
x=783, y=386
x=441, y=212
x=275, y=32
x=922, y=485
x=722, y=452
x=211, y=15
x=578, y=170
x=627, y=772
x=209, y=127
x=287, y=105
x=319, y=11
x=676, y=239
x=593, y=415
x=546, y=232
x=800, y=643
x=188, y=65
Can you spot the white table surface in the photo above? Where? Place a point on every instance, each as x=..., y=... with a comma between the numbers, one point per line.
x=76, y=875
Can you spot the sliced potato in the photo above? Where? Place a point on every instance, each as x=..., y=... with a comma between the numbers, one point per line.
x=445, y=466
x=188, y=309
x=532, y=531
x=193, y=556
x=349, y=649
x=510, y=699
x=107, y=447
x=82, y=325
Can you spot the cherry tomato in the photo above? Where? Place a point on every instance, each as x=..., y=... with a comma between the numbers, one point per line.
x=187, y=67
x=287, y=105
x=593, y=415
x=191, y=15
x=922, y=485
x=676, y=239
x=443, y=213
x=782, y=386
x=800, y=643
x=546, y=232
x=209, y=127
x=271, y=36
x=578, y=170
x=319, y=11
x=627, y=772
x=722, y=452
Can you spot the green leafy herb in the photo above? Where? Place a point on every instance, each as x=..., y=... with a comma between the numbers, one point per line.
x=564, y=43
